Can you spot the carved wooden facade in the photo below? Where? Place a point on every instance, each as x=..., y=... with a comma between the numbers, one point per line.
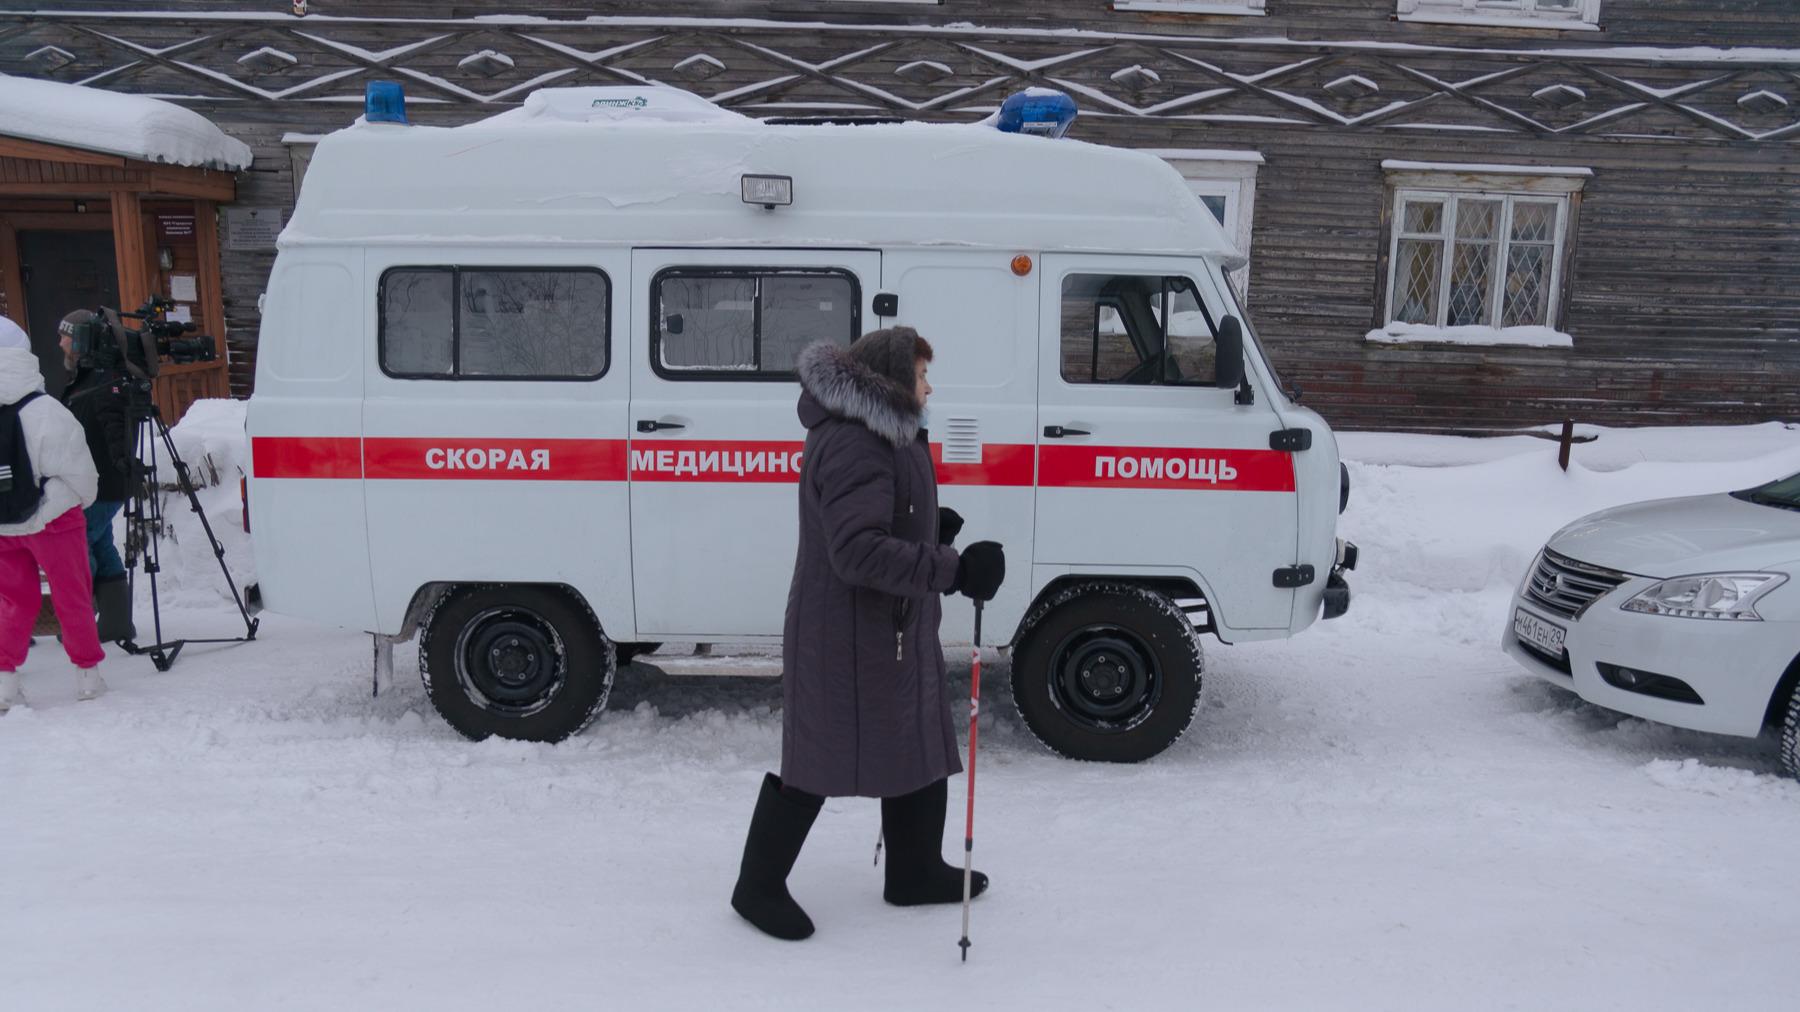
x=1678, y=276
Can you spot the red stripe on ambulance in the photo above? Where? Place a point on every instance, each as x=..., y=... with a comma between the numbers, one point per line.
x=733, y=460
x=1165, y=467
x=758, y=461
x=1001, y=464
x=495, y=459
x=306, y=457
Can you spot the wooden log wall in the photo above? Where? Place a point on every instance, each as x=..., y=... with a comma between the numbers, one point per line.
x=1683, y=300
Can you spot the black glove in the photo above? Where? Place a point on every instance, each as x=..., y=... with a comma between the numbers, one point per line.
x=950, y=524
x=980, y=570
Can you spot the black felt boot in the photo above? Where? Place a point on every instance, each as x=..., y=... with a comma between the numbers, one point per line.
x=777, y=832
x=913, y=825
x=112, y=605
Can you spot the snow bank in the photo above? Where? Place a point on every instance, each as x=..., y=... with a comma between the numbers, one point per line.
x=1473, y=516
x=129, y=125
x=1602, y=448
x=1718, y=781
x=1383, y=812
x=210, y=437
x=211, y=441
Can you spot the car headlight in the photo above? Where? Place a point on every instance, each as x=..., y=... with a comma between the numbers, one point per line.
x=1731, y=596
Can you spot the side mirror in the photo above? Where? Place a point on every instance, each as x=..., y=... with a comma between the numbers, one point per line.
x=1230, y=347
x=673, y=323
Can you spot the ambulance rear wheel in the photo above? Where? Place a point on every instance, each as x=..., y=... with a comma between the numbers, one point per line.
x=1107, y=672
x=528, y=663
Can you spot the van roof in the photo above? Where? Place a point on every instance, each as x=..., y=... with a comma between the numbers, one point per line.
x=542, y=174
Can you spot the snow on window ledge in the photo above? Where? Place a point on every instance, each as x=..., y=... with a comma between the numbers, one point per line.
x=1477, y=336
x=1521, y=20
x=1241, y=8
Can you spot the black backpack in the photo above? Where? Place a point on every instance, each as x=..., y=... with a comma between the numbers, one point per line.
x=20, y=491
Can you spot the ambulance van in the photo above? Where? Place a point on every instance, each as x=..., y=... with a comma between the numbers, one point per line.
x=525, y=389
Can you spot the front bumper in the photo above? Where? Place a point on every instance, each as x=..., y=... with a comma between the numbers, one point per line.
x=1734, y=667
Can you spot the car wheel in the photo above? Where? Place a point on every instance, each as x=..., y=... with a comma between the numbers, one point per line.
x=1790, y=735
x=1107, y=672
x=520, y=662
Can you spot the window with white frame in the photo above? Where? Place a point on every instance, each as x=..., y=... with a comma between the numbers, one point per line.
x=1476, y=259
x=1581, y=15
x=1225, y=182
x=1251, y=7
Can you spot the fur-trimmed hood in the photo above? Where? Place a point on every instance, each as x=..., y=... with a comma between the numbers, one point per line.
x=836, y=383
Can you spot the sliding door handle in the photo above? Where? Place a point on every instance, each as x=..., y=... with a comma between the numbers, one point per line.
x=1058, y=432
x=651, y=425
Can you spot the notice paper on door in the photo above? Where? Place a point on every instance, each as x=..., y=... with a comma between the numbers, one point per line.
x=181, y=288
x=181, y=314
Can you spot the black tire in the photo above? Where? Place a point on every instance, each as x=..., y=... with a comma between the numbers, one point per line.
x=628, y=652
x=1108, y=672
x=1790, y=734
x=520, y=662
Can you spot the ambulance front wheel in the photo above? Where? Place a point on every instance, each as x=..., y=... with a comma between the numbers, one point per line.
x=1108, y=672
x=520, y=662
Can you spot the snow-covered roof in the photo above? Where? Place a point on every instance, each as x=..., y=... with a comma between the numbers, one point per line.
x=131, y=126
x=548, y=173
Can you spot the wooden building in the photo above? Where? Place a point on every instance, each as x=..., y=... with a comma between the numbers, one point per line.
x=1462, y=215
x=88, y=222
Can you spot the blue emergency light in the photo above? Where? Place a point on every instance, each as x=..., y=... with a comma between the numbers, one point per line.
x=1042, y=112
x=384, y=102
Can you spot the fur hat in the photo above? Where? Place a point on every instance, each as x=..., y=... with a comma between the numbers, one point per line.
x=891, y=353
x=871, y=382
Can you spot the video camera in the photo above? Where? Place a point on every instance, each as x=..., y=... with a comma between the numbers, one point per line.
x=108, y=343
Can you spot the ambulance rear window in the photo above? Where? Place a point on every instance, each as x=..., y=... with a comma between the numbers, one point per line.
x=747, y=323
x=495, y=323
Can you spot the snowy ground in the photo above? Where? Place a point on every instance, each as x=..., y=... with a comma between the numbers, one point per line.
x=1381, y=813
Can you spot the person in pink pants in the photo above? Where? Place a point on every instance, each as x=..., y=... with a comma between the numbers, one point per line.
x=53, y=538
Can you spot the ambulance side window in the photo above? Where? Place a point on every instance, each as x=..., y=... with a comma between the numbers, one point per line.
x=747, y=323
x=494, y=323
x=1114, y=331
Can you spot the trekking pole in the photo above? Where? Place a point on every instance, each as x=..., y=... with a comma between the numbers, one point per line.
x=969, y=820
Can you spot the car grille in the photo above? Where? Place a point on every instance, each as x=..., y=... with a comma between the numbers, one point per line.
x=1565, y=586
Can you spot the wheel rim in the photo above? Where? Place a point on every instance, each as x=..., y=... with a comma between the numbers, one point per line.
x=1105, y=679
x=510, y=661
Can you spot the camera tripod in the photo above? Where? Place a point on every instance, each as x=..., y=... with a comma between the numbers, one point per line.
x=145, y=524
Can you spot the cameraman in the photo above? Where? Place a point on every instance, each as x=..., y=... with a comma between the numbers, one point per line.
x=96, y=396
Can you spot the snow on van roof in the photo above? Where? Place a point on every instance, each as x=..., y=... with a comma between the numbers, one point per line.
x=613, y=104
x=594, y=166
x=131, y=126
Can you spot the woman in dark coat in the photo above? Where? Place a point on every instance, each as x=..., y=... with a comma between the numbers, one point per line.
x=866, y=705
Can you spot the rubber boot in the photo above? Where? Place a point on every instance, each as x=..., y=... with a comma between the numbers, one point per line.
x=112, y=607
x=917, y=874
x=11, y=693
x=777, y=832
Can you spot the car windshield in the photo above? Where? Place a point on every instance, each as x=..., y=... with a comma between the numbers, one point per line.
x=1782, y=492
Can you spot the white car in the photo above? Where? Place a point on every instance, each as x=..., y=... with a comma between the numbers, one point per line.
x=1682, y=611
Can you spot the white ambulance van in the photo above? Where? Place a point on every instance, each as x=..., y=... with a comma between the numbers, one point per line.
x=525, y=388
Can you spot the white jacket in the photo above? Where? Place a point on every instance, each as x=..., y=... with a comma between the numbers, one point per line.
x=58, y=447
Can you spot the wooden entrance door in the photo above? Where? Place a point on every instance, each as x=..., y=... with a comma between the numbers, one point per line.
x=63, y=271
